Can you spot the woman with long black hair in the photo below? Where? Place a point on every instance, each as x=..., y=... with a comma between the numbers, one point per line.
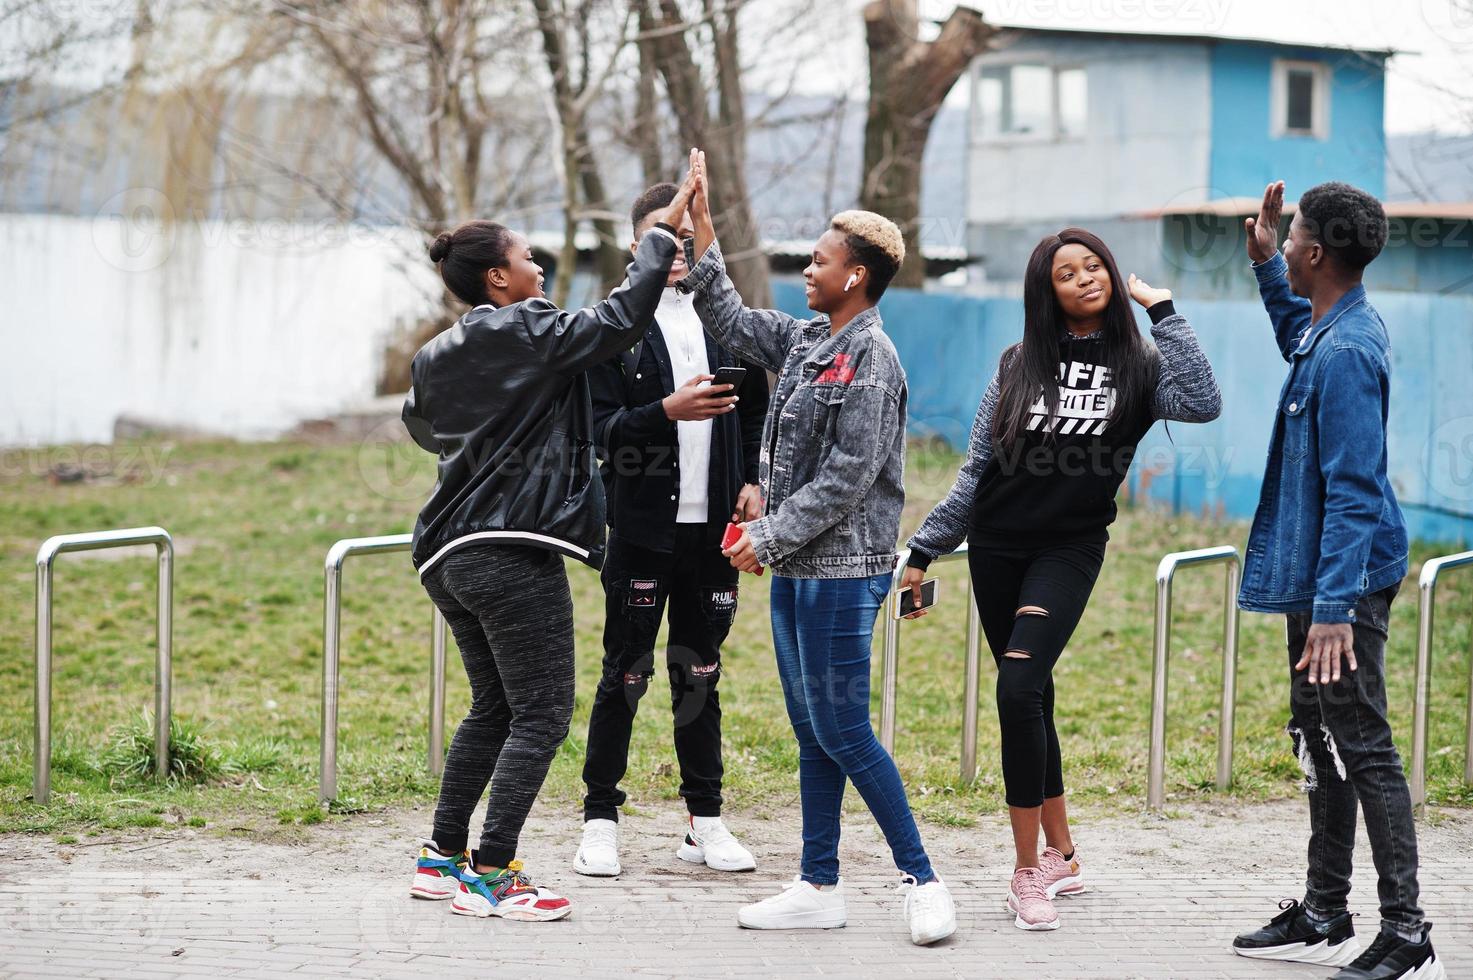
x=1051, y=444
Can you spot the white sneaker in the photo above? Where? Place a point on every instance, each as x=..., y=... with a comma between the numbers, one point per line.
x=708, y=842
x=929, y=910
x=598, y=855
x=797, y=906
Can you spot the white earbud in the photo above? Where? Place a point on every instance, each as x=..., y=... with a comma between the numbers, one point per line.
x=853, y=278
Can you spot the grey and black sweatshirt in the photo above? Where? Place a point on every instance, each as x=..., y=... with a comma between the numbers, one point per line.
x=1058, y=482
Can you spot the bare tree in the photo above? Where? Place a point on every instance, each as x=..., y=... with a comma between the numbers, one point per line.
x=576, y=89
x=908, y=81
x=674, y=39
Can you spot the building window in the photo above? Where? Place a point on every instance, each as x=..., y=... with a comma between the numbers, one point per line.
x=1301, y=99
x=1030, y=102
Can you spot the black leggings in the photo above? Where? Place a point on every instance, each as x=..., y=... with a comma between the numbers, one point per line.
x=1030, y=600
x=512, y=615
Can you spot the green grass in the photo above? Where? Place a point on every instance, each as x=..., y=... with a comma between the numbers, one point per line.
x=252, y=523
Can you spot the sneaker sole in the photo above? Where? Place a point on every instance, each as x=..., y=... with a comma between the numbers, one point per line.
x=819, y=920
x=428, y=893
x=589, y=871
x=483, y=909
x=1431, y=970
x=1026, y=926
x=1065, y=887
x=1320, y=954
x=697, y=855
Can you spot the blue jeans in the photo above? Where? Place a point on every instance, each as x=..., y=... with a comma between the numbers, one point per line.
x=821, y=631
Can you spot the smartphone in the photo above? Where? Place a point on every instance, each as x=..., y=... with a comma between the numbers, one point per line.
x=730, y=376
x=732, y=536
x=928, y=598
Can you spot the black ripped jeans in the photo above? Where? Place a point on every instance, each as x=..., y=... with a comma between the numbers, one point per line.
x=1343, y=740
x=1030, y=600
x=700, y=587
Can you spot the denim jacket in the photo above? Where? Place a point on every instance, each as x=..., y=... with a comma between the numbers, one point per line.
x=832, y=464
x=1328, y=529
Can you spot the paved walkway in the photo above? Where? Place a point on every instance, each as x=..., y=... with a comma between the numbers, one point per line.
x=1166, y=897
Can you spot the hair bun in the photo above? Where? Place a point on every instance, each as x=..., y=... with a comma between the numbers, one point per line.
x=440, y=247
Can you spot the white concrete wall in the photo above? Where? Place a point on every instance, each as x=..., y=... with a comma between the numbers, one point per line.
x=1146, y=141
x=231, y=328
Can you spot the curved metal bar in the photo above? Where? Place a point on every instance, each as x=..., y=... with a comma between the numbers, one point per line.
x=891, y=665
x=332, y=616
x=1161, y=654
x=60, y=544
x=1426, y=605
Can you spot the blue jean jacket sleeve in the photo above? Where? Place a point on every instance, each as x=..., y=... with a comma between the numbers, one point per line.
x=849, y=470
x=1290, y=314
x=1352, y=441
x=760, y=336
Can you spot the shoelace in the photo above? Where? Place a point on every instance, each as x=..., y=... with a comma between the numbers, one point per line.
x=1029, y=885
x=922, y=900
x=1375, y=952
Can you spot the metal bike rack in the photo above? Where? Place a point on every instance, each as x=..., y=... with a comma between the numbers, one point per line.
x=331, y=640
x=890, y=670
x=94, y=541
x=1427, y=593
x=1155, y=793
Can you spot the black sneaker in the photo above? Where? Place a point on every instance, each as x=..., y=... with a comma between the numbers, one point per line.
x=1293, y=935
x=1391, y=957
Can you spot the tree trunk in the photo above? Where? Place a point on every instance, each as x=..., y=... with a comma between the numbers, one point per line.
x=581, y=176
x=723, y=139
x=909, y=80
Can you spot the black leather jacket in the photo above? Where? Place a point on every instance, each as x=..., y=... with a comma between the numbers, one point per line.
x=503, y=399
x=639, y=449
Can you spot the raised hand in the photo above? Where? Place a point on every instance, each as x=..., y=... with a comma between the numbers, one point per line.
x=700, y=205
x=1144, y=294
x=681, y=203
x=1263, y=231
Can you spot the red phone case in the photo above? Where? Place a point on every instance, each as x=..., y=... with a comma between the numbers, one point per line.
x=732, y=536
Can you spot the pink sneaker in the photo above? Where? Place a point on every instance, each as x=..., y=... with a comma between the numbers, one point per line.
x=1061, y=877
x=1028, y=898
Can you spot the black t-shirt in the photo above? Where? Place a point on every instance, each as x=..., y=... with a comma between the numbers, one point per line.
x=1058, y=481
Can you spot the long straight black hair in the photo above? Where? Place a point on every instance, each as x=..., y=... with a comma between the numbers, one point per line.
x=1031, y=366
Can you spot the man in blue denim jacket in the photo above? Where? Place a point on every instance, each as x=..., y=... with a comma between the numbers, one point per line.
x=1329, y=549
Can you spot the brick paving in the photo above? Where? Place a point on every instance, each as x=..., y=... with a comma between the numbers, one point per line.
x=1166, y=896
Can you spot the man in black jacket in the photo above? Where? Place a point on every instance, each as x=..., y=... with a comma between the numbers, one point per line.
x=679, y=460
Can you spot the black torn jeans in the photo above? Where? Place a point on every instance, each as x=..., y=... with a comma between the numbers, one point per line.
x=1343, y=739
x=699, y=586
x=1008, y=582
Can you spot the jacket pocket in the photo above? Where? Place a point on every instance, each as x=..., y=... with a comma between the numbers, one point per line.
x=828, y=399
x=1295, y=411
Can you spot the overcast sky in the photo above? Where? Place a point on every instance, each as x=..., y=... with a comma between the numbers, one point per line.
x=1430, y=86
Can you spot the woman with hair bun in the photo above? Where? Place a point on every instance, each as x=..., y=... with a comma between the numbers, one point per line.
x=502, y=399
x=832, y=478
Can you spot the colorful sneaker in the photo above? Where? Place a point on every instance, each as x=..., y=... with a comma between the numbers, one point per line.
x=437, y=875
x=1060, y=876
x=1292, y=935
x=928, y=910
x=598, y=855
x=708, y=842
x=1391, y=957
x=798, y=906
x=507, y=893
x=1030, y=902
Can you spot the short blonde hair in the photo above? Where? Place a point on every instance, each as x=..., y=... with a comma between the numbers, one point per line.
x=874, y=228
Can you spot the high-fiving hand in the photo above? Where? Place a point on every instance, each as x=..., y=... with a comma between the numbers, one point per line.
x=1263, y=231
x=1146, y=294
x=694, y=178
